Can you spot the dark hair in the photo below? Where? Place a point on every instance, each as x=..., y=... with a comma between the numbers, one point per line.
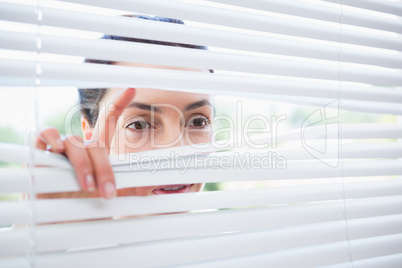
x=90, y=97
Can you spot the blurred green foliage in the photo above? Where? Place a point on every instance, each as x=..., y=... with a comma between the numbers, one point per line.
x=65, y=125
x=213, y=186
x=9, y=197
x=8, y=134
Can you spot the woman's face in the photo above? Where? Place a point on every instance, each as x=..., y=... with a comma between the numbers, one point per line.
x=158, y=119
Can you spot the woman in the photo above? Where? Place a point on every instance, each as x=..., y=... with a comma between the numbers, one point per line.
x=119, y=121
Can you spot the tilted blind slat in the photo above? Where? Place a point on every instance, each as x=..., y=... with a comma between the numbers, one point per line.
x=19, y=154
x=340, y=208
x=90, y=234
x=127, y=27
x=17, y=242
x=294, y=170
x=329, y=254
x=83, y=209
x=385, y=261
x=315, y=10
x=391, y=7
x=183, y=80
x=393, y=260
x=124, y=51
x=332, y=253
x=244, y=20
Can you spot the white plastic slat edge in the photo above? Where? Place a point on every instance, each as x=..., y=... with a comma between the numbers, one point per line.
x=201, y=81
x=13, y=153
x=135, y=52
x=320, y=12
x=391, y=7
x=172, y=254
x=96, y=208
x=323, y=255
x=129, y=27
x=249, y=21
x=98, y=233
x=46, y=182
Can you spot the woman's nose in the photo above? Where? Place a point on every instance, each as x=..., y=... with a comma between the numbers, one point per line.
x=170, y=137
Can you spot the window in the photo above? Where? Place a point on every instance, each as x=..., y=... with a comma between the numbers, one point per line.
x=302, y=160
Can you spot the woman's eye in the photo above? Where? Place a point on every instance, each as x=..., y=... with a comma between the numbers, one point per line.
x=199, y=122
x=139, y=125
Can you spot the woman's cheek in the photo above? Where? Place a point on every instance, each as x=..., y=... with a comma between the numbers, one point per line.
x=129, y=141
x=196, y=137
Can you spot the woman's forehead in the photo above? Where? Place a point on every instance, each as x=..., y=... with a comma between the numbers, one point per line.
x=157, y=96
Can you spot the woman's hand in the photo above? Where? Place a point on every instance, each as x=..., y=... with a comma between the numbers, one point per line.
x=90, y=159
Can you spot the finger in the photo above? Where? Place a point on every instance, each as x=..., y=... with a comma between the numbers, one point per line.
x=103, y=171
x=106, y=125
x=76, y=152
x=40, y=144
x=49, y=138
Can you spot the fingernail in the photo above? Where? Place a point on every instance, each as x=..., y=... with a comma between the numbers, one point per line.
x=130, y=89
x=109, y=190
x=89, y=180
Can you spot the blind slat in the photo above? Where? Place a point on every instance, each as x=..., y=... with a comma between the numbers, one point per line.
x=327, y=54
x=273, y=66
x=385, y=261
x=332, y=253
x=361, y=217
x=393, y=260
x=46, y=182
x=204, y=82
x=320, y=12
x=20, y=154
x=307, y=257
x=83, y=209
x=124, y=51
x=16, y=242
x=392, y=7
x=380, y=246
x=247, y=21
x=351, y=151
x=13, y=153
x=140, y=53
x=174, y=33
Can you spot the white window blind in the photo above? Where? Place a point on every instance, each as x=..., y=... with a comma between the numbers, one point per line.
x=334, y=199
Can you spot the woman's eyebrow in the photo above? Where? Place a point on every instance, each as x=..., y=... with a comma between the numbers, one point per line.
x=197, y=104
x=144, y=106
x=148, y=107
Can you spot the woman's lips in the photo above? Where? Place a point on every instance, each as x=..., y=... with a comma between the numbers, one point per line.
x=172, y=189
